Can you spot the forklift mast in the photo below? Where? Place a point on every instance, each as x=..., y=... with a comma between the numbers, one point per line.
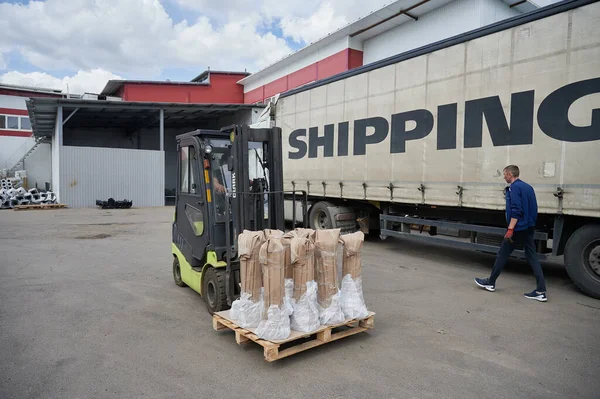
x=250, y=193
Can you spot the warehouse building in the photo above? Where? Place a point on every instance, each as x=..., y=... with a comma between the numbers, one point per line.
x=121, y=143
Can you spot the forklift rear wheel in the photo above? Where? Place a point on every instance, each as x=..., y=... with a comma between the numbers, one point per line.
x=213, y=290
x=177, y=272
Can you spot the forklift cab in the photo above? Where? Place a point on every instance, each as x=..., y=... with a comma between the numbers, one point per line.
x=229, y=180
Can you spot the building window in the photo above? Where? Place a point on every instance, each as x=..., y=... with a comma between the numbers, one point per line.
x=187, y=172
x=25, y=123
x=196, y=218
x=184, y=165
x=12, y=122
x=192, y=171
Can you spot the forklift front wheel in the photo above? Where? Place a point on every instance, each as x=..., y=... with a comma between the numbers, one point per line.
x=177, y=272
x=213, y=290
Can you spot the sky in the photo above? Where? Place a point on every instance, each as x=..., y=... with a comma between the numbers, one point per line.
x=78, y=45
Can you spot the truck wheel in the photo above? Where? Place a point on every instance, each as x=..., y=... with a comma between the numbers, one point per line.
x=177, y=272
x=582, y=259
x=213, y=290
x=320, y=217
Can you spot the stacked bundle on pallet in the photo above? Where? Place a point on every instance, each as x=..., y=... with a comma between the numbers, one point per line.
x=326, y=244
x=306, y=309
x=247, y=310
x=299, y=280
x=275, y=323
x=352, y=301
x=9, y=198
x=286, y=240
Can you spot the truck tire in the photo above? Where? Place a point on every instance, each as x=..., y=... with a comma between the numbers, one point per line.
x=213, y=290
x=177, y=273
x=320, y=217
x=582, y=259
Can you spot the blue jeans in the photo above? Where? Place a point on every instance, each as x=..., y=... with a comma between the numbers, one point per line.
x=525, y=238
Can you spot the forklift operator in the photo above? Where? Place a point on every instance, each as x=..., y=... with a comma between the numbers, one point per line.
x=221, y=174
x=221, y=179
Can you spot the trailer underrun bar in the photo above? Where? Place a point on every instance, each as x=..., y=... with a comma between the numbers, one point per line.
x=405, y=232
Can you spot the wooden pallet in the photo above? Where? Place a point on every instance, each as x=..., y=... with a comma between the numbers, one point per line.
x=296, y=342
x=38, y=206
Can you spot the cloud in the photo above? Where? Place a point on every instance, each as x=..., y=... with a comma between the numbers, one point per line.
x=267, y=9
x=326, y=18
x=134, y=37
x=83, y=81
x=310, y=29
x=138, y=39
x=304, y=21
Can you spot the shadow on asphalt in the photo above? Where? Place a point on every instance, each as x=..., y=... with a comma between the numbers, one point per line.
x=553, y=269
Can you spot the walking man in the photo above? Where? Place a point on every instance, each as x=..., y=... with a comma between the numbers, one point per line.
x=521, y=214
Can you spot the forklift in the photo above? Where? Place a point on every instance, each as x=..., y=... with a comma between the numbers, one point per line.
x=228, y=181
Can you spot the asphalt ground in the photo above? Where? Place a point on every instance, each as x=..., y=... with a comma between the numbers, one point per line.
x=88, y=309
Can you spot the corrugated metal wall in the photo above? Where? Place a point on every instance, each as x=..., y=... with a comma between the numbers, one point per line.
x=88, y=174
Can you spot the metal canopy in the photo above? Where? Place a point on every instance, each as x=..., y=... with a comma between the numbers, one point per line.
x=120, y=114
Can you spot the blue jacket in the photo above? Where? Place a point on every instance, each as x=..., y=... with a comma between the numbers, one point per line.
x=521, y=204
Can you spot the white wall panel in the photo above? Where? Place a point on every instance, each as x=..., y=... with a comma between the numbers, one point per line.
x=449, y=20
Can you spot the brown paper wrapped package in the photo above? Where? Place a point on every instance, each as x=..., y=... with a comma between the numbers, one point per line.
x=271, y=260
x=351, y=263
x=249, y=243
x=303, y=262
x=286, y=240
x=271, y=233
x=306, y=233
x=326, y=243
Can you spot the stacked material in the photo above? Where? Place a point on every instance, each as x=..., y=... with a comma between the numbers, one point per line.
x=303, y=261
x=301, y=292
x=20, y=174
x=276, y=323
x=271, y=233
x=305, y=317
x=306, y=233
x=326, y=244
x=248, y=309
x=352, y=300
x=11, y=182
x=286, y=240
x=112, y=204
x=6, y=184
x=9, y=198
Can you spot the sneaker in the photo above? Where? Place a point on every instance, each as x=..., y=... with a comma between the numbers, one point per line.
x=538, y=296
x=485, y=283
